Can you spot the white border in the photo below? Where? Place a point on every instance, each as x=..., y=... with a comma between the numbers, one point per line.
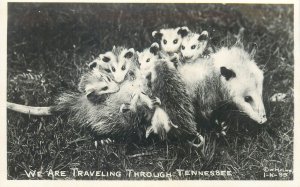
x=3, y=135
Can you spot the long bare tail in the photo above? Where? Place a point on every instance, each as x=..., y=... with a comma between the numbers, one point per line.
x=38, y=111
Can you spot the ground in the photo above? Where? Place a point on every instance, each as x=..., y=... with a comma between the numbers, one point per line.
x=50, y=45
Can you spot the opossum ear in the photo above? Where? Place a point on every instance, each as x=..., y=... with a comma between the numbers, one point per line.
x=183, y=31
x=253, y=49
x=92, y=65
x=95, y=98
x=129, y=53
x=154, y=48
x=157, y=35
x=227, y=73
x=203, y=36
x=104, y=58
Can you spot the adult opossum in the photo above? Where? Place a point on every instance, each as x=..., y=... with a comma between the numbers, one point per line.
x=229, y=76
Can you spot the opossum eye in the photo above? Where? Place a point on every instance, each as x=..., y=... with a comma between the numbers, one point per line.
x=248, y=99
x=108, y=79
x=113, y=69
x=165, y=41
x=106, y=59
x=148, y=60
x=175, y=41
x=123, y=67
x=104, y=88
x=193, y=47
x=182, y=47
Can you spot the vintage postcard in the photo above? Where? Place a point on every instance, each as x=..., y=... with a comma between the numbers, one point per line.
x=138, y=91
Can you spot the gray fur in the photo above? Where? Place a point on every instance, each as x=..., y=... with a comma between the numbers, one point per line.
x=104, y=118
x=169, y=87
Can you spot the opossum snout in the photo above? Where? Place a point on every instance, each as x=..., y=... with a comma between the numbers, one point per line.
x=264, y=119
x=187, y=57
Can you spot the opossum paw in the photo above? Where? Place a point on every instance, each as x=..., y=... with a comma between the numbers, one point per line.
x=161, y=132
x=200, y=139
x=125, y=107
x=156, y=101
x=104, y=142
x=205, y=56
x=221, y=128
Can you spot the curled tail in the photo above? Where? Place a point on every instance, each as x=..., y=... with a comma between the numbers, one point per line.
x=38, y=111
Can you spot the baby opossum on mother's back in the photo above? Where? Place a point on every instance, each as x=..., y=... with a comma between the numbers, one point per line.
x=194, y=46
x=104, y=117
x=165, y=83
x=170, y=39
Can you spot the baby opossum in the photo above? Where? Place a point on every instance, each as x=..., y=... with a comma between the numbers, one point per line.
x=193, y=46
x=165, y=83
x=119, y=62
x=229, y=76
x=97, y=85
x=170, y=39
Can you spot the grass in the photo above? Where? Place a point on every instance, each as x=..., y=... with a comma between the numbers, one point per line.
x=54, y=42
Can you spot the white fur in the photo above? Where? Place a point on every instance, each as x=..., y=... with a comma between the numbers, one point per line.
x=99, y=81
x=170, y=35
x=191, y=47
x=194, y=73
x=159, y=122
x=248, y=80
x=117, y=66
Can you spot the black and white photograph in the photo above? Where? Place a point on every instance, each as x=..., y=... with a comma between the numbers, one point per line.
x=150, y=91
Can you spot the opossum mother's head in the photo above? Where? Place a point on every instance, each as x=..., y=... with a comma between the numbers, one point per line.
x=243, y=80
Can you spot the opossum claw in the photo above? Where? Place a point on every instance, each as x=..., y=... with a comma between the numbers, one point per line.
x=202, y=141
x=149, y=131
x=125, y=107
x=172, y=124
x=104, y=142
x=223, y=133
x=161, y=133
x=156, y=101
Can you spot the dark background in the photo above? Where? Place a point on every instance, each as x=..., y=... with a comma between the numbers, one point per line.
x=49, y=45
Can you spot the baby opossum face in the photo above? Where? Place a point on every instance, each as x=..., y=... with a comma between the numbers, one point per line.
x=148, y=57
x=170, y=39
x=119, y=64
x=193, y=45
x=102, y=62
x=96, y=83
x=244, y=80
